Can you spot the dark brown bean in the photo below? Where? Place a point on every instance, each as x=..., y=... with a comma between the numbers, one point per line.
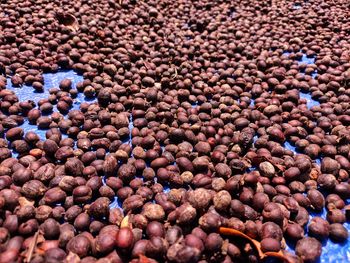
x=318, y=228
x=316, y=198
x=79, y=245
x=99, y=208
x=213, y=242
x=125, y=238
x=270, y=244
x=309, y=249
x=155, y=228
x=338, y=232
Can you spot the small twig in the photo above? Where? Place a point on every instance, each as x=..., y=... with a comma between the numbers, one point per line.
x=32, y=247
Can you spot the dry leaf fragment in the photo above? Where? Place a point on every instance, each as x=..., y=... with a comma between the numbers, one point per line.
x=234, y=232
x=255, y=243
x=24, y=201
x=314, y=173
x=126, y=222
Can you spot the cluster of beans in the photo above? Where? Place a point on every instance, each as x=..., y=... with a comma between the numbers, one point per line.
x=195, y=96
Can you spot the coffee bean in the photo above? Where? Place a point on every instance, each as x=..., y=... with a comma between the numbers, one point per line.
x=316, y=198
x=99, y=208
x=309, y=249
x=124, y=238
x=199, y=198
x=336, y=216
x=338, y=232
x=213, y=242
x=193, y=102
x=155, y=228
x=318, y=228
x=270, y=244
x=50, y=228
x=79, y=245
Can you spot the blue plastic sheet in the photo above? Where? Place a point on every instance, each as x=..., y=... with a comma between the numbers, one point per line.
x=332, y=252
x=310, y=102
x=51, y=80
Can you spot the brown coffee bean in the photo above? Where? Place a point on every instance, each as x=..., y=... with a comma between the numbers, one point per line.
x=63, y=153
x=72, y=212
x=11, y=223
x=155, y=228
x=4, y=235
x=271, y=230
x=159, y=162
x=327, y=181
x=209, y=221
x=79, y=245
x=157, y=247
x=213, y=242
x=199, y=198
x=82, y=194
x=33, y=189
x=55, y=254
x=99, y=208
x=336, y=216
x=45, y=173
x=105, y=243
x=343, y=190
x=259, y=201
x=267, y=169
x=329, y=166
x=194, y=241
x=82, y=222
x=318, y=228
x=222, y=200
x=193, y=102
x=272, y=212
x=133, y=202
x=294, y=231
x=54, y=195
x=124, y=238
x=173, y=234
x=126, y=172
x=50, y=228
x=185, y=214
x=338, y=233
x=270, y=244
x=153, y=212
x=309, y=249
x=65, y=84
x=316, y=198
x=14, y=134
x=184, y=164
x=22, y=176
x=74, y=166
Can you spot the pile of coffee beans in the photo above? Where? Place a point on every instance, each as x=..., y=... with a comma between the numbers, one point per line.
x=197, y=103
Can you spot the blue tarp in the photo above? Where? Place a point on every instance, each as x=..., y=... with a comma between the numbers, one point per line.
x=332, y=252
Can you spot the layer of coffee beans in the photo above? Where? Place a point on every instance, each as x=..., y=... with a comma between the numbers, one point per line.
x=181, y=117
